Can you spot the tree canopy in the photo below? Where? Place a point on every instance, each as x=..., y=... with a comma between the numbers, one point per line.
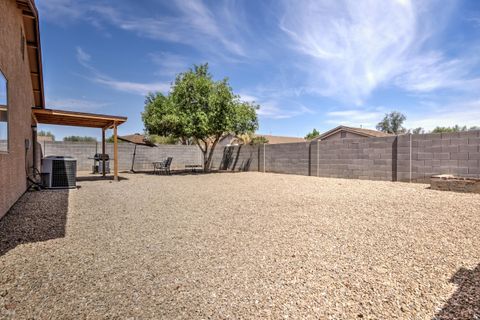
x=312, y=135
x=79, y=139
x=392, y=123
x=201, y=109
x=162, y=139
x=455, y=128
x=43, y=133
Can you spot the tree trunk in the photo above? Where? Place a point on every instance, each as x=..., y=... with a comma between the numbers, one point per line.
x=208, y=159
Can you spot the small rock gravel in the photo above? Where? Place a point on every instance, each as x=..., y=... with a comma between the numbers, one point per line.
x=243, y=245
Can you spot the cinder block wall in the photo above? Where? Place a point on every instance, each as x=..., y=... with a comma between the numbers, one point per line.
x=292, y=158
x=236, y=158
x=182, y=155
x=386, y=158
x=431, y=154
x=371, y=158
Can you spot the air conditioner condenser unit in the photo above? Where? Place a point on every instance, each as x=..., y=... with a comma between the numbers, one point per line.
x=59, y=172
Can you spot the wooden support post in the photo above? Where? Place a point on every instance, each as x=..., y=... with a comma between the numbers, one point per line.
x=115, y=152
x=103, y=152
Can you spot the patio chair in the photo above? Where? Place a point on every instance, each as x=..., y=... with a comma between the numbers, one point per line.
x=162, y=166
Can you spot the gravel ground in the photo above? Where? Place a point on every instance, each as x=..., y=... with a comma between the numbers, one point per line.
x=246, y=245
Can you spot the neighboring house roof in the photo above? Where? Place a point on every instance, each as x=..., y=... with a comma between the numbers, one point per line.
x=33, y=48
x=280, y=139
x=359, y=131
x=231, y=139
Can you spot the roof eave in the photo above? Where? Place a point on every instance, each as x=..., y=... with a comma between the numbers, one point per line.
x=29, y=13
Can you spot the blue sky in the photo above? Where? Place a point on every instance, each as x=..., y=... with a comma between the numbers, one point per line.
x=312, y=63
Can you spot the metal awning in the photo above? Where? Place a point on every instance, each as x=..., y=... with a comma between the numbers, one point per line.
x=82, y=119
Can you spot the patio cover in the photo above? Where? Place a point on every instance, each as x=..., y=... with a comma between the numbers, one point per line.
x=78, y=119
x=81, y=119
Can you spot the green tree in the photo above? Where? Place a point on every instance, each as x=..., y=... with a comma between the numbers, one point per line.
x=259, y=140
x=200, y=109
x=162, y=139
x=250, y=138
x=46, y=134
x=79, y=139
x=418, y=130
x=455, y=128
x=312, y=135
x=392, y=123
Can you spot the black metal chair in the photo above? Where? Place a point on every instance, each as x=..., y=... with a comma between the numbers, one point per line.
x=162, y=166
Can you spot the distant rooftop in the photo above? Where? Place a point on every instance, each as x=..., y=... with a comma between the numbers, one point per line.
x=280, y=139
x=359, y=131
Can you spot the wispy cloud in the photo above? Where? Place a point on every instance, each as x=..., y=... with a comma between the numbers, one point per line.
x=433, y=71
x=276, y=109
x=76, y=104
x=133, y=87
x=82, y=56
x=190, y=22
x=169, y=64
x=141, y=88
x=465, y=112
x=475, y=21
x=355, y=117
x=355, y=47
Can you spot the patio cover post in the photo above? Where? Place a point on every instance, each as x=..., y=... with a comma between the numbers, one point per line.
x=103, y=152
x=115, y=152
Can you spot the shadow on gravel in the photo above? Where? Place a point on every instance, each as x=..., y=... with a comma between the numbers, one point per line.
x=37, y=216
x=465, y=302
x=98, y=178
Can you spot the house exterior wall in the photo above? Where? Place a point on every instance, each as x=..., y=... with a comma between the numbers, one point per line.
x=337, y=136
x=20, y=101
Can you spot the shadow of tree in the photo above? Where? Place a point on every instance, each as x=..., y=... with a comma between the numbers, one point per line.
x=227, y=158
x=465, y=302
x=37, y=216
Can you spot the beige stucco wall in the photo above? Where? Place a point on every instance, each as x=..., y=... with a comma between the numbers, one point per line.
x=20, y=100
x=337, y=135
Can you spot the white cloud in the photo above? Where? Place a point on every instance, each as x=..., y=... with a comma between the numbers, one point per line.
x=461, y=113
x=366, y=118
x=82, y=56
x=272, y=110
x=169, y=64
x=133, y=87
x=60, y=11
x=76, y=104
x=191, y=22
x=141, y=88
x=248, y=98
x=355, y=47
x=275, y=107
x=475, y=21
x=433, y=71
